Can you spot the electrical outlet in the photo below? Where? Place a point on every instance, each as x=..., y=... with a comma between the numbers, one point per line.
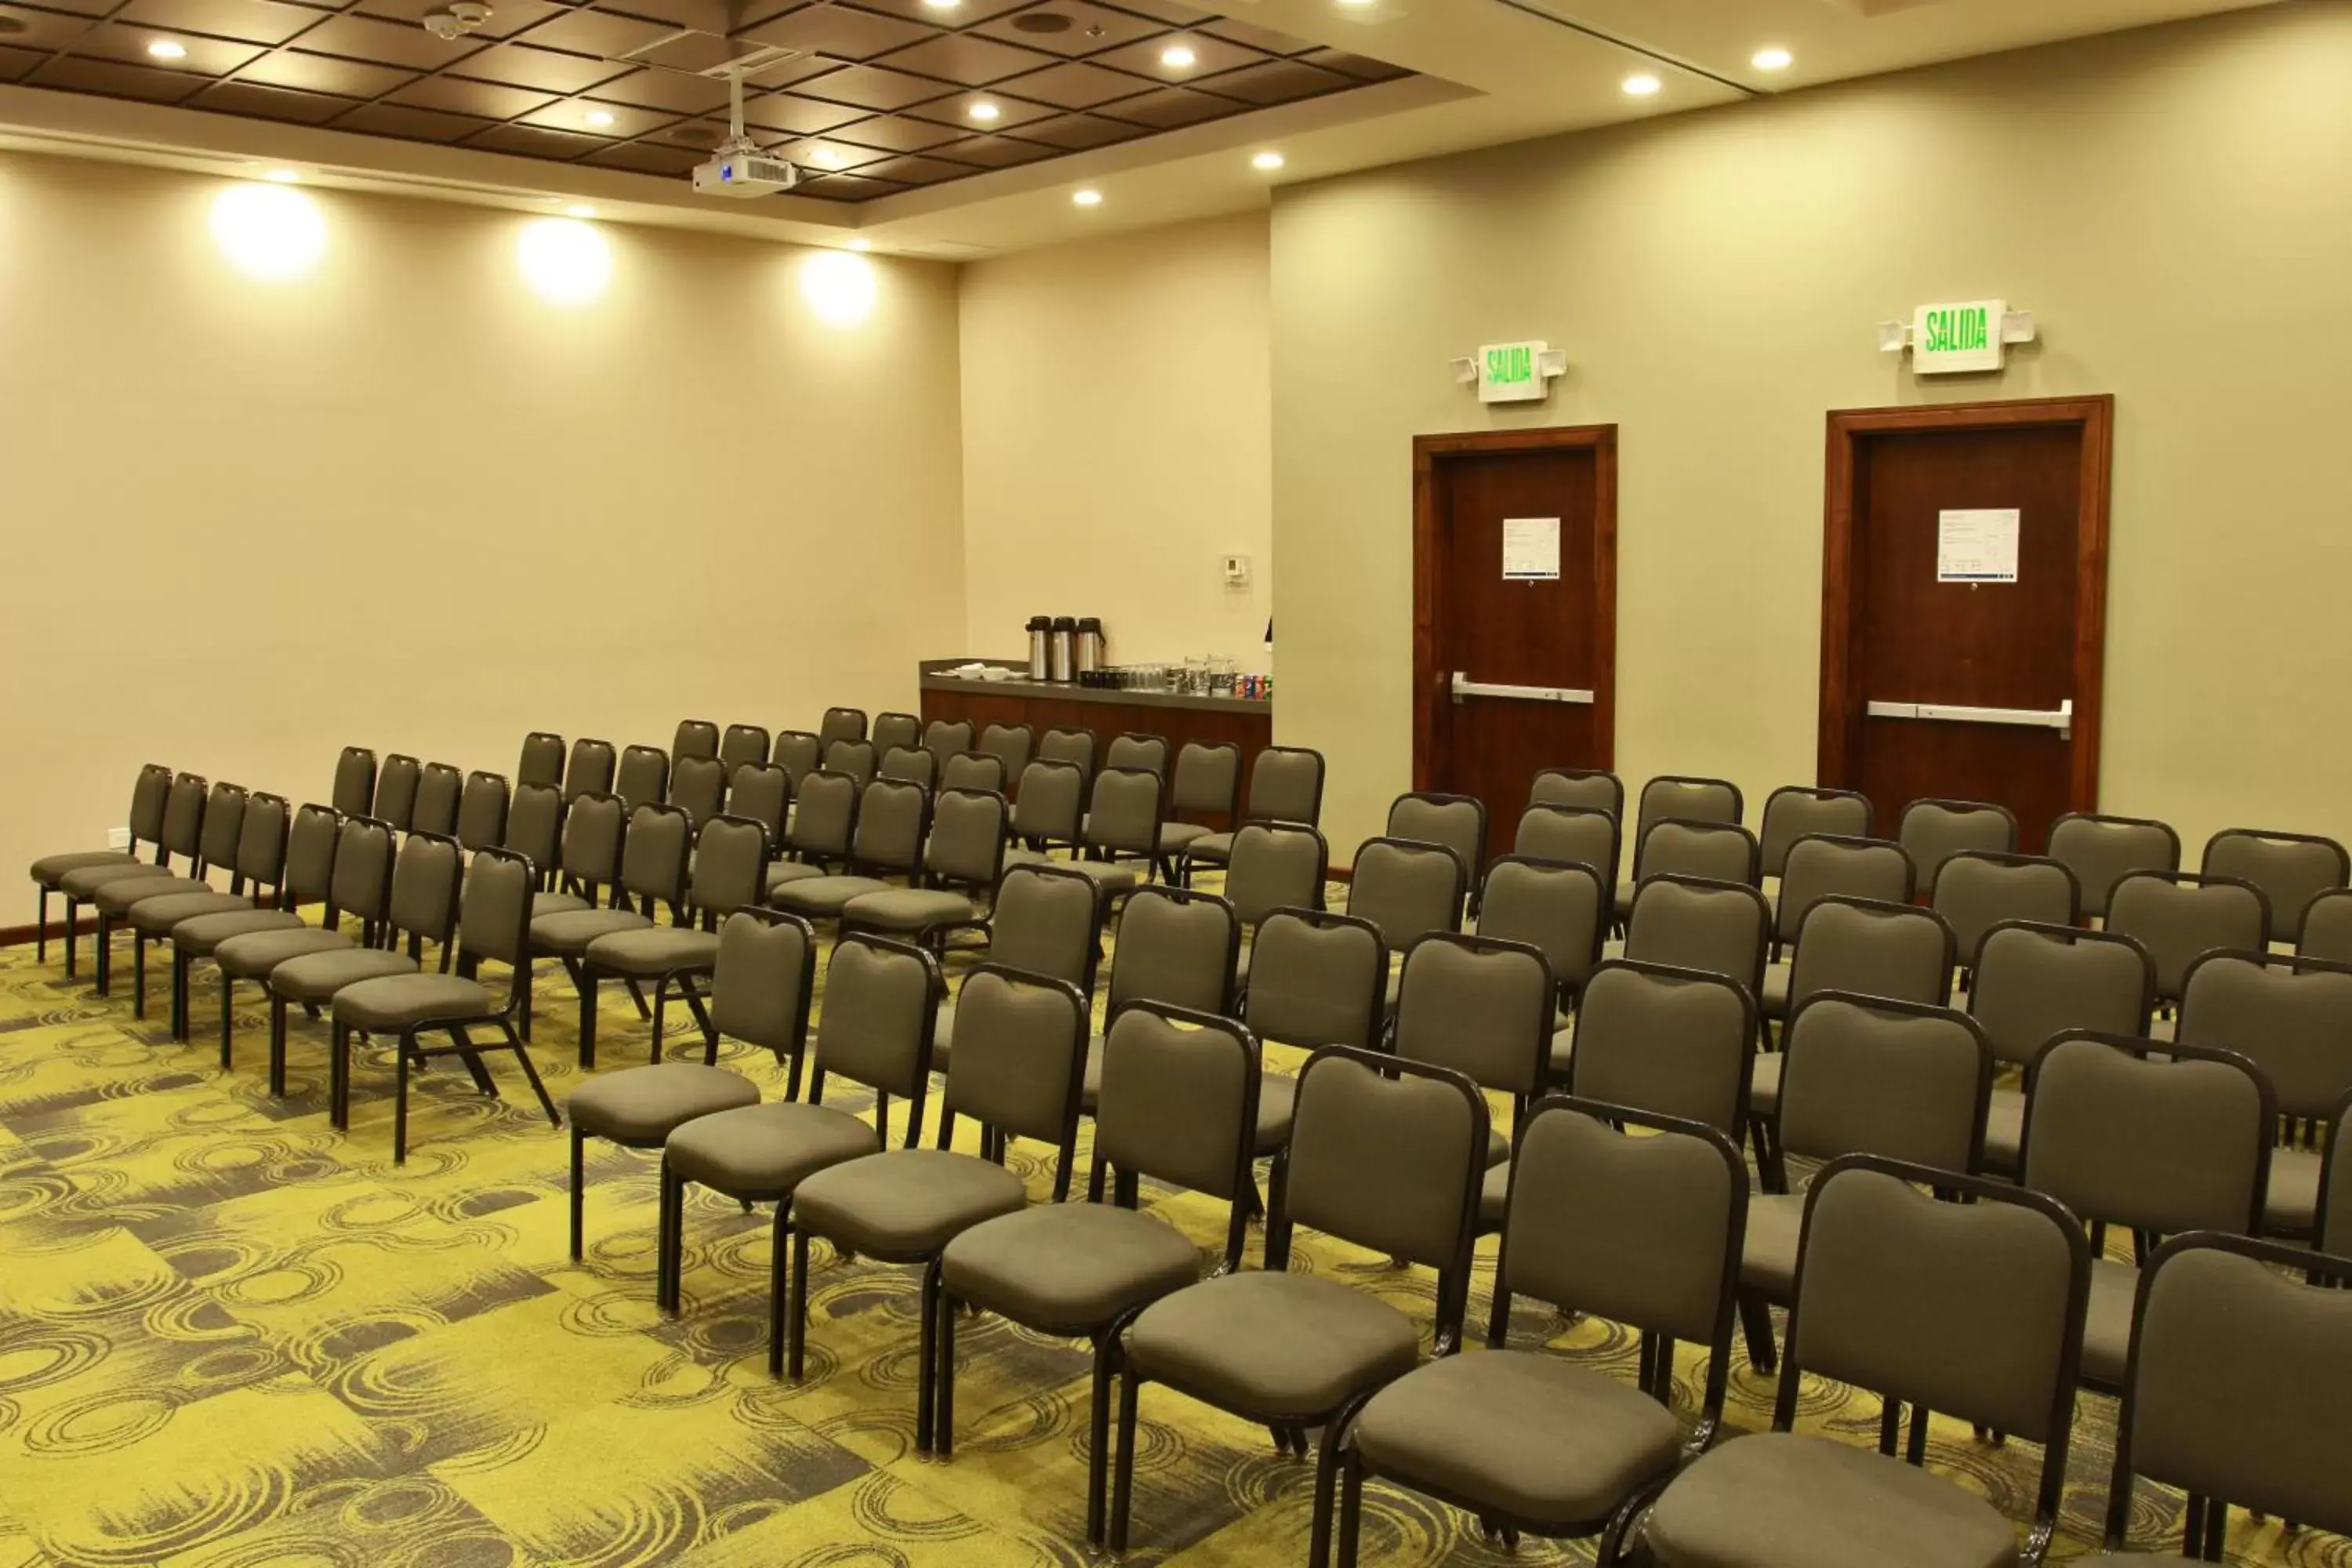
x=118, y=839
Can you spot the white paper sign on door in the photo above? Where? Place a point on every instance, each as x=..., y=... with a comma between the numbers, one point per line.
x=1530, y=549
x=1977, y=546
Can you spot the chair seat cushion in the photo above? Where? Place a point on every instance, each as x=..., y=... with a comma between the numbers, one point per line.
x=1069, y=1267
x=1539, y=1438
x=556, y=904
x=909, y=908
x=1108, y=876
x=788, y=871
x=399, y=1000
x=1277, y=1099
x=821, y=896
x=49, y=867
x=85, y=881
x=1776, y=989
x=203, y=933
x=1764, y=1084
x=2107, y=1324
x=1498, y=1146
x=1210, y=849
x=642, y=1106
x=2292, y=1207
x=655, y=950
x=317, y=976
x=115, y=898
x=567, y=933
x=762, y=1152
x=905, y=1203
x=1813, y=1502
x=1768, y=1255
x=1174, y=835
x=2004, y=1132
x=1289, y=1346
x=161, y=915
x=254, y=954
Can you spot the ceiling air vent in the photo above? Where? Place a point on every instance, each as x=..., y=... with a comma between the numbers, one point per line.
x=1042, y=22
x=697, y=53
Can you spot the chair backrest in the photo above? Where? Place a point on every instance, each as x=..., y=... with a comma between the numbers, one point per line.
x=1407, y=888
x=1383, y=1152
x=361, y=883
x=494, y=918
x=425, y=877
x=643, y=778
x=182, y=830
x=1873, y=948
x=395, y=790
x=1718, y=851
x=1046, y=920
x=656, y=851
x=1011, y=745
x=1207, y=780
x=1684, y=798
x=1176, y=946
x=1560, y=908
x=909, y=765
x=742, y=743
x=1480, y=1006
x=1889, y=1280
x=2241, y=1377
x=149, y=791
x=436, y=807
x=2291, y=868
x=1693, y=923
x=695, y=738
x=590, y=770
x=697, y=786
x=1286, y=785
x=1868, y=1075
x=541, y=762
x=1456, y=821
x=354, y=793
x=310, y=855
x=261, y=832
x=2177, y=917
x=973, y=770
x=1178, y=1097
x=2033, y=982
x=1317, y=979
x=945, y=738
x=841, y=724
x=896, y=730
x=1577, y=834
x=762, y=792
x=482, y=812
x=2326, y=928
x=2292, y=1016
x=1672, y=1042
x=858, y=759
x=894, y=818
x=1275, y=866
x=593, y=828
x=826, y=821
x=1050, y=801
x=536, y=826
x=1020, y=1060
x=1123, y=817
x=1933, y=831
x=1977, y=890
x=966, y=848
x=730, y=865
x=223, y=825
x=1588, y=789
x=2102, y=850
x=1076, y=747
x=2162, y=1143
x=798, y=753
x=1149, y=753
x=881, y=1003
x=1798, y=811
x=1820, y=865
x=2333, y=1225
x=762, y=979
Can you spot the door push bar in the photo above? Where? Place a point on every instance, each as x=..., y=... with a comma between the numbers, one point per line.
x=2061, y=718
x=1466, y=687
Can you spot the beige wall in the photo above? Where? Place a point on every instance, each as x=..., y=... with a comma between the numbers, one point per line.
x=407, y=503
x=2175, y=205
x=1116, y=440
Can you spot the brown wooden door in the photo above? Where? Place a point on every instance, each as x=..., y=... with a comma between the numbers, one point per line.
x=1939, y=677
x=1551, y=641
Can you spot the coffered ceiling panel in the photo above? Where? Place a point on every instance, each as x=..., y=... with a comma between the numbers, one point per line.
x=251, y=21
x=271, y=102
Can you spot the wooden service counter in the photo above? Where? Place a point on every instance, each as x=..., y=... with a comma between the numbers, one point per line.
x=1046, y=705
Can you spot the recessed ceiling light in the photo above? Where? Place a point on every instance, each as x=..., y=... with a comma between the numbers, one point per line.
x=829, y=157
x=282, y=177
x=1355, y=5
x=165, y=50
x=861, y=245
x=1771, y=58
x=983, y=111
x=942, y=5
x=1641, y=85
x=579, y=209
x=1267, y=161
x=599, y=118
x=1179, y=56
x=1089, y=198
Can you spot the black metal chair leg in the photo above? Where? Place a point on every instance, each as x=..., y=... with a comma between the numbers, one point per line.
x=1756, y=1324
x=777, y=1256
x=401, y=1053
x=796, y=1311
x=579, y=1162
x=137, y=975
x=73, y=920
x=102, y=974
x=339, y=1076
x=179, y=992
x=1098, y=1434
x=530, y=1072
x=587, y=1016
x=41, y=930
x=1351, y=1505
x=228, y=1022
x=277, y=1045
x=1123, y=1482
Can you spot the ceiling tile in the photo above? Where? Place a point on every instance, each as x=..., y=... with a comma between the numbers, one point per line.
x=247, y=97
x=250, y=21
x=838, y=31
x=591, y=32
x=816, y=154
x=414, y=124
x=531, y=141
x=1255, y=36
x=1091, y=27
x=964, y=16
x=386, y=43
x=15, y=63
x=579, y=116
x=913, y=169
x=801, y=116
x=957, y=111
x=868, y=87
x=1074, y=86
x=849, y=187
x=322, y=73
x=42, y=29
x=1168, y=108
x=1168, y=11
x=507, y=18
x=487, y=99
x=80, y=7
x=71, y=74
x=894, y=135
x=996, y=151
x=1208, y=56
x=709, y=16
x=967, y=59
x=520, y=65
x=206, y=57
x=1075, y=133
x=786, y=72
x=646, y=158
x=1276, y=81
x=653, y=89
x=1363, y=68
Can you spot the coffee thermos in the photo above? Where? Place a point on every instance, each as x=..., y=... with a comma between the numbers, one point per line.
x=1090, y=648
x=1061, y=649
x=1041, y=629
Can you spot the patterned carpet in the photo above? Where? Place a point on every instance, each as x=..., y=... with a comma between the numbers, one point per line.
x=231, y=1337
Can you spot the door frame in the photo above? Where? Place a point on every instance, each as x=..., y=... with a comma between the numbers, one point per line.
x=1430, y=686
x=2094, y=414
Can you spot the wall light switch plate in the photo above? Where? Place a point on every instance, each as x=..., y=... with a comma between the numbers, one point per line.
x=118, y=839
x=1236, y=569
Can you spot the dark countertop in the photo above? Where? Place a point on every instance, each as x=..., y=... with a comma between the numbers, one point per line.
x=935, y=679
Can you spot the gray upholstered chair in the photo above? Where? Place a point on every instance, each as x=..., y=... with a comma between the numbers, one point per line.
x=307, y=878
x=1325, y=983
x=2102, y=851
x=186, y=807
x=1275, y=866
x=218, y=846
x=588, y=863
x=1047, y=809
x=762, y=792
x=2157, y=1143
x=1044, y=919
x=697, y=786
x=1120, y=840
x=1678, y=798
x=2334, y=1220
x=694, y=738
x=1574, y=833
x=1693, y=922
x=1818, y=865
x=1891, y=1279
x=875, y=1030
x=1011, y=745
x=1643, y=1231
x=1388, y=1155
x=731, y=854
x=798, y=753
x=438, y=789
x=894, y=819
x=541, y=762
x=2177, y=918
x=2326, y=928
x=1207, y=784
x=1559, y=907
x=861, y=760
x=909, y=765
x=1588, y=789
x=643, y=778
x=1020, y=1060
x=1978, y=890
x=2291, y=868
x=246, y=947
x=1135, y=750
x=494, y=924
x=743, y=744
x=1456, y=821
x=1407, y=888
x=1718, y=851
x=1179, y=1103
x=1483, y=1006
x=945, y=738
x=149, y=791
x=892, y=731
x=395, y=790
x=534, y=829
x=962, y=859
x=1671, y=1042
x=482, y=812
x=1076, y=747
x=1286, y=785
x=655, y=854
x=1798, y=811
x=1177, y=947
x=980, y=770
x=841, y=724
x=2237, y=1393
x=354, y=792
x=258, y=862
x=590, y=769
x=824, y=828
x=1932, y=831
x=2036, y=982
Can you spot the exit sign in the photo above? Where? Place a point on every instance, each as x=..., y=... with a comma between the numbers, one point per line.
x=1513, y=373
x=1963, y=337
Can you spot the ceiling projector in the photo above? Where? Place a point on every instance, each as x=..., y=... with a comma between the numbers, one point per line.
x=740, y=169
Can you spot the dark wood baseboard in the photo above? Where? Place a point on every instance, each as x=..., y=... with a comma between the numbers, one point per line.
x=25, y=935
